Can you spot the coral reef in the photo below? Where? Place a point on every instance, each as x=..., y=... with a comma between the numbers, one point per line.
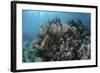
x=58, y=41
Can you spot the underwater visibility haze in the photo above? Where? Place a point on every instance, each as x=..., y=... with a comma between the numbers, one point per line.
x=55, y=36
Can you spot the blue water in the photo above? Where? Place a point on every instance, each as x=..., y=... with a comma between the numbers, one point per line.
x=32, y=21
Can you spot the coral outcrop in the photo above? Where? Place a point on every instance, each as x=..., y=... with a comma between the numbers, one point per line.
x=58, y=41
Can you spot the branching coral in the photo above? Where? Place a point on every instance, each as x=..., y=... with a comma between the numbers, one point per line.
x=59, y=41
